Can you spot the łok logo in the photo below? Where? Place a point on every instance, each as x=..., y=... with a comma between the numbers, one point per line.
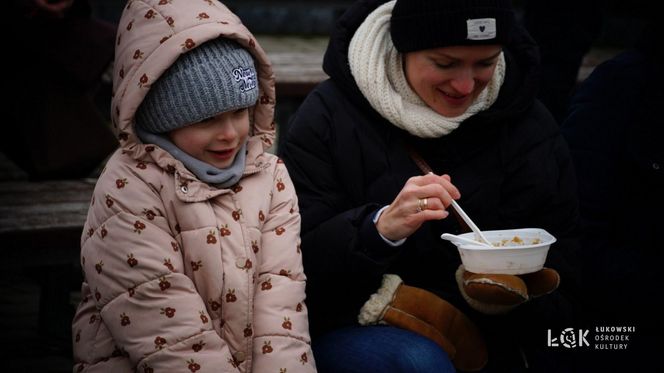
x=569, y=338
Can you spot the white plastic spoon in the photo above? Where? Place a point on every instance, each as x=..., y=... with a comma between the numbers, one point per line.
x=452, y=238
x=478, y=232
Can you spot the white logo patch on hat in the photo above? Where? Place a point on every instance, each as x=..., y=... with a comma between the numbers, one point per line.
x=247, y=77
x=481, y=28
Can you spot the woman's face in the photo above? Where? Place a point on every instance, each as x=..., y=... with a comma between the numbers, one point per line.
x=449, y=79
x=216, y=140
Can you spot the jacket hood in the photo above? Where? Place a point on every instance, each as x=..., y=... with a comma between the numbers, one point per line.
x=152, y=34
x=521, y=54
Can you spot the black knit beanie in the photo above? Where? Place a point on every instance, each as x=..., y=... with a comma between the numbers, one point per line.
x=424, y=24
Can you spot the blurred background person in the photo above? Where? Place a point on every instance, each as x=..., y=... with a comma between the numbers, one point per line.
x=54, y=125
x=615, y=132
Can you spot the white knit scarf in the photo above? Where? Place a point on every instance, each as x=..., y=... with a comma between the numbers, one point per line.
x=377, y=68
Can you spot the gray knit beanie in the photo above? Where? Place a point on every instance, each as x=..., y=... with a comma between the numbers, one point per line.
x=213, y=78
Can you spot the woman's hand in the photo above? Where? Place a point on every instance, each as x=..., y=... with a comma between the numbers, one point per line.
x=421, y=199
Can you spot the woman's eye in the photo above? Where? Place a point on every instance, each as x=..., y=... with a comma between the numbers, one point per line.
x=444, y=65
x=239, y=111
x=207, y=120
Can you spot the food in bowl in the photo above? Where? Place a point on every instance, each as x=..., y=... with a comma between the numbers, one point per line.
x=514, y=251
x=516, y=241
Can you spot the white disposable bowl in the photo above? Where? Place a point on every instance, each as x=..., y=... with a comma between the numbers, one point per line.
x=510, y=257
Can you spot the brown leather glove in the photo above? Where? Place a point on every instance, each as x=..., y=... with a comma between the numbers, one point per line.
x=499, y=293
x=425, y=313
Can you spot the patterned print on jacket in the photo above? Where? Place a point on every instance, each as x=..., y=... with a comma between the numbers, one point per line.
x=181, y=276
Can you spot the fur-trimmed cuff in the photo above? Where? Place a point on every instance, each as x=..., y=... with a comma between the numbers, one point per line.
x=373, y=310
x=485, y=308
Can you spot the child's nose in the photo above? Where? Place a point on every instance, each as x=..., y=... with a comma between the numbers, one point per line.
x=226, y=130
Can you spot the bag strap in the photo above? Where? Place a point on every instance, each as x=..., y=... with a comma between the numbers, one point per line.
x=425, y=168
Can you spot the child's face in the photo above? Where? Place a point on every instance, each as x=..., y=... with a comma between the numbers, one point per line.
x=215, y=140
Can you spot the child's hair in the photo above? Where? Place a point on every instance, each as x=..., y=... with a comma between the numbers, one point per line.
x=217, y=77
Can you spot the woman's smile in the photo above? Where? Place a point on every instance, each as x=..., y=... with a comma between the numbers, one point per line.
x=453, y=99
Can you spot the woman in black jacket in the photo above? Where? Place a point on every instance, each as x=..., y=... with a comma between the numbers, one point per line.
x=452, y=83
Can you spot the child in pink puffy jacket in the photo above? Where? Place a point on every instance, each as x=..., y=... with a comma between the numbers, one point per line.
x=191, y=246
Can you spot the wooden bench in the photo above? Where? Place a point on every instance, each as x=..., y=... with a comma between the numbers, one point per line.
x=297, y=63
x=40, y=230
x=45, y=217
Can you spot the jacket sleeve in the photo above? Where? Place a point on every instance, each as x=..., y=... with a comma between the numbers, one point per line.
x=281, y=324
x=134, y=268
x=344, y=256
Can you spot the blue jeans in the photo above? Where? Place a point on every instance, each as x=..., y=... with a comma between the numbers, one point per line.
x=380, y=349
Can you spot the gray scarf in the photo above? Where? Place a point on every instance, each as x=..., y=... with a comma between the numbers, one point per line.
x=220, y=178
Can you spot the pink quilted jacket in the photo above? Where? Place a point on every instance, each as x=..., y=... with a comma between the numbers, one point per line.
x=180, y=276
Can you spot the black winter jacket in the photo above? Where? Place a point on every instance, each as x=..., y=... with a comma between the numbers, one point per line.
x=510, y=164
